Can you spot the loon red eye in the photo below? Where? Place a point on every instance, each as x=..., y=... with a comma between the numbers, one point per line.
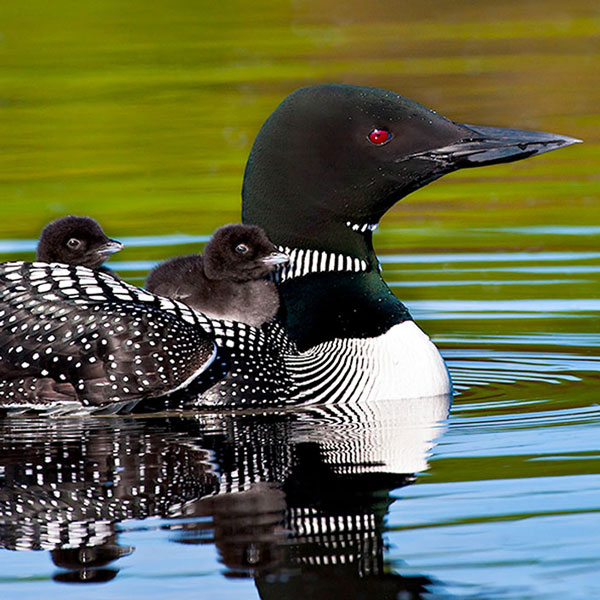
x=74, y=243
x=379, y=136
x=241, y=248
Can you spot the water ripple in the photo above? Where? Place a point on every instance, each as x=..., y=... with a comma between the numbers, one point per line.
x=449, y=257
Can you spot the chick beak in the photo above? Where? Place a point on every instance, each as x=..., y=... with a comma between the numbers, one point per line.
x=276, y=258
x=110, y=247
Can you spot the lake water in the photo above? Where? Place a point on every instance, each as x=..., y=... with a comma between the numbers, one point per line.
x=142, y=116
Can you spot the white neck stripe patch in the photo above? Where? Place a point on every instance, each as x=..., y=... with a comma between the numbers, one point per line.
x=304, y=261
x=362, y=227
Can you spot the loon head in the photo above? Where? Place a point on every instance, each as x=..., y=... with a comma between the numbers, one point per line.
x=76, y=241
x=332, y=159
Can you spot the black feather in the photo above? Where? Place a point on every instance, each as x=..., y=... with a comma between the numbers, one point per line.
x=76, y=241
x=228, y=281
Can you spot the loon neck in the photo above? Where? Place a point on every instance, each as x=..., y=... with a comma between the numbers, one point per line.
x=327, y=295
x=349, y=250
x=307, y=261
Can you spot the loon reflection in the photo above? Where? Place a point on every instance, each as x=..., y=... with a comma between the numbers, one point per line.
x=295, y=500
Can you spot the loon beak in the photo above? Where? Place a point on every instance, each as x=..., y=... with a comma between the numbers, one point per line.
x=276, y=258
x=494, y=145
x=110, y=247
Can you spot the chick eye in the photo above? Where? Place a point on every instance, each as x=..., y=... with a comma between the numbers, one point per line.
x=241, y=248
x=379, y=136
x=74, y=243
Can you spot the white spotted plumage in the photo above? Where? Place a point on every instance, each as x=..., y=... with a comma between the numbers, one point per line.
x=145, y=346
x=306, y=261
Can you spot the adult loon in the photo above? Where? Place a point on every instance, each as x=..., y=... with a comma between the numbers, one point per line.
x=229, y=280
x=325, y=167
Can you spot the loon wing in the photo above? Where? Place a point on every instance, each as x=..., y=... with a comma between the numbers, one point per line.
x=70, y=334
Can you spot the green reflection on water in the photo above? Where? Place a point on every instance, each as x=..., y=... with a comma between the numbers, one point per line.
x=142, y=115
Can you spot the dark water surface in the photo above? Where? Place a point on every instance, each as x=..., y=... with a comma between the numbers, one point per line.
x=142, y=115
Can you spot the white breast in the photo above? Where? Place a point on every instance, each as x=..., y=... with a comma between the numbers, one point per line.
x=402, y=363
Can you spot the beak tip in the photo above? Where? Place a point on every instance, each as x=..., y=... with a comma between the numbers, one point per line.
x=111, y=247
x=495, y=145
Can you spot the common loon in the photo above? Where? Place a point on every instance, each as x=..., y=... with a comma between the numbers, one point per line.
x=229, y=280
x=325, y=167
x=76, y=241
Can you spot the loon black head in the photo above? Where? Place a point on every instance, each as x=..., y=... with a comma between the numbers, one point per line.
x=324, y=169
x=241, y=253
x=336, y=156
x=76, y=241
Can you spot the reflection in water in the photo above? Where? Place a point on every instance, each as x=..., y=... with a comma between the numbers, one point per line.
x=83, y=565
x=296, y=501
